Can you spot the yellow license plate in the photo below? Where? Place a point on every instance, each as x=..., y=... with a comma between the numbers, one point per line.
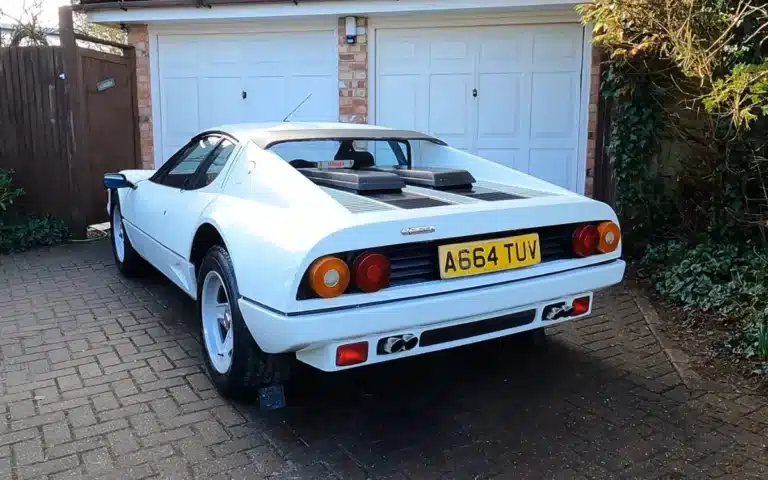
x=473, y=258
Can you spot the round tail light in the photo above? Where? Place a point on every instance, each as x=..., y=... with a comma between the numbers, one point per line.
x=610, y=235
x=329, y=277
x=586, y=240
x=372, y=272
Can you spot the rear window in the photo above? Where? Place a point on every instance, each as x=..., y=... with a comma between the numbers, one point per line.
x=365, y=153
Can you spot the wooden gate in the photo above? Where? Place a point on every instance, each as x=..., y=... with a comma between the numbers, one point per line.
x=67, y=116
x=108, y=93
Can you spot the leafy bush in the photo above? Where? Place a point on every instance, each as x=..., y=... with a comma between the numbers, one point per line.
x=8, y=193
x=729, y=279
x=21, y=232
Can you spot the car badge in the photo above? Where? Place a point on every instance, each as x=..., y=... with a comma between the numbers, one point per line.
x=417, y=230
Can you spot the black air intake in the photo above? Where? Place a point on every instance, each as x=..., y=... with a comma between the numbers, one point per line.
x=437, y=178
x=361, y=181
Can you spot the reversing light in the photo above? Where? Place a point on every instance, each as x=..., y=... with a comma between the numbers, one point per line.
x=329, y=277
x=352, y=354
x=372, y=272
x=610, y=235
x=586, y=240
x=580, y=306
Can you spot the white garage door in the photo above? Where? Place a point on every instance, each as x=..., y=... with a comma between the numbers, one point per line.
x=510, y=94
x=210, y=80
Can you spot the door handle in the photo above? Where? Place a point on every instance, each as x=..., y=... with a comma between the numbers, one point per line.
x=245, y=94
x=474, y=92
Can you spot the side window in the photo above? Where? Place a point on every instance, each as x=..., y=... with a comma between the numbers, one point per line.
x=188, y=162
x=217, y=162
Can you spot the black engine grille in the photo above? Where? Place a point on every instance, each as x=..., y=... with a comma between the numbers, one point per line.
x=417, y=263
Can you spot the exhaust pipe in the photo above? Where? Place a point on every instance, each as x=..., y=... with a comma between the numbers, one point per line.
x=394, y=345
x=397, y=344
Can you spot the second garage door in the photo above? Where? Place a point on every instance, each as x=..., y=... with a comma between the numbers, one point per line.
x=209, y=80
x=510, y=94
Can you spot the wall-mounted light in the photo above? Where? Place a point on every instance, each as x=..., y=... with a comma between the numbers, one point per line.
x=351, y=29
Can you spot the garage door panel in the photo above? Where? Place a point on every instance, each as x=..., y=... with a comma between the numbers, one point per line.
x=401, y=94
x=500, y=101
x=449, y=56
x=319, y=106
x=223, y=102
x=558, y=48
x=398, y=56
x=502, y=50
x=554, y=166
x=180, y=101
x=449, y=108
x=553, y=106
x=511, y=157
x=179, y=56
x=266, y=99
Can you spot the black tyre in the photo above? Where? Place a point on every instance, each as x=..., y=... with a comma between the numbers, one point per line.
x=128, y=261
x=235, y=363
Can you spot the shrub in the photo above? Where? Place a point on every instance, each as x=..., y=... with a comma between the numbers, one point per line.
x=8, y=193
x=20, y=232
x=729, y=279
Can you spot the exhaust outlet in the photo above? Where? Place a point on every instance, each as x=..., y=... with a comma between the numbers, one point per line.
x=397, y=344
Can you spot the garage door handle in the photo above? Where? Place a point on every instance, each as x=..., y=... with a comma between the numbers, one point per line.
x=474, y=93
x=245, y=94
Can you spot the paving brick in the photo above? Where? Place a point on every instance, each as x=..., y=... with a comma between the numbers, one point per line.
x=146, y=455
x=28, y=452
x=100, y=428
x=105, y=401
x=69, y=382
x=48, y=467
x=75, y=447
x=97, y=461
x=166, y=436
x=81, y=416
x=56, y=433
x=228, y=416
x=22, y=409
x=14, y=437
x=38, y=421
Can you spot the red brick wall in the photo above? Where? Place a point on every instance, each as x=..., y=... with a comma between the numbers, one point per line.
x=138, y=36
x=594, y=99
x=353, y=74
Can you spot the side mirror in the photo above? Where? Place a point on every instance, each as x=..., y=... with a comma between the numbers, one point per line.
x=113, y=181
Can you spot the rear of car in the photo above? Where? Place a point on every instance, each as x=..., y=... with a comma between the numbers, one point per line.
x=429, y=264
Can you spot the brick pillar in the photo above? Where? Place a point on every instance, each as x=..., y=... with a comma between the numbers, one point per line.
x=353, y=74
x=138, y=36
x=594, y=100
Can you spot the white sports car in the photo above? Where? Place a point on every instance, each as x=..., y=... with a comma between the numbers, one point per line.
x=348, y=245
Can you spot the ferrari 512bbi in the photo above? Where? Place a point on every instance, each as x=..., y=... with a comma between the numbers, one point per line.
x=347, y=245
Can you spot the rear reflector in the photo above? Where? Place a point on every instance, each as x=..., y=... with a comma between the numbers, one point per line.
x=580, y=306
x=351, y=354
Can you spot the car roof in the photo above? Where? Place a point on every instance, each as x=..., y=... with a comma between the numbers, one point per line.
x=267, y=134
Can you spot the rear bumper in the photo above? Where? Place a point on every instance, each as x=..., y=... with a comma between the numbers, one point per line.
x=315, y=336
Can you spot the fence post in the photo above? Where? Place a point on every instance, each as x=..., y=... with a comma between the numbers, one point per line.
x=76, y=159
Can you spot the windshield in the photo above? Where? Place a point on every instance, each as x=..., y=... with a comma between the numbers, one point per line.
x=363, y=152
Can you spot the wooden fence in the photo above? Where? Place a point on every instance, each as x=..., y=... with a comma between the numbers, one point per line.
x=67, y=116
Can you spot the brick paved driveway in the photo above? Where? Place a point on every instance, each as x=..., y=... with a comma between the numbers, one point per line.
x=101, y=377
